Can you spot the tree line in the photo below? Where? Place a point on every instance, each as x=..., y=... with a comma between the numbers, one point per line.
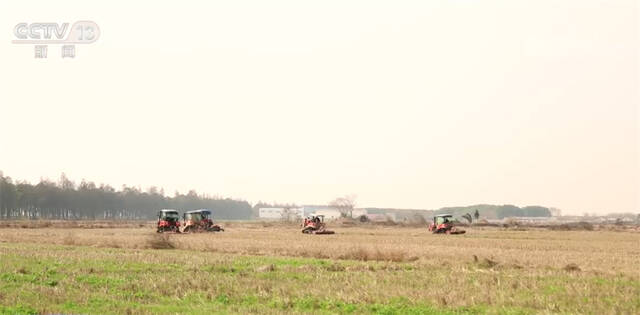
x=66, y=200
x=485, y=211
x=499, y=211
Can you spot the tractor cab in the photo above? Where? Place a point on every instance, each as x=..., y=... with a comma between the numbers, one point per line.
x=314, y=220
x=444, y=223
x=441, y=219
x=197, y=216
x=168, y=221
x=199, y=220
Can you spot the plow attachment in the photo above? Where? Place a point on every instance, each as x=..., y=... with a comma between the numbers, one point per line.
x=319, y=232
x=310, y=230
x=215, y=228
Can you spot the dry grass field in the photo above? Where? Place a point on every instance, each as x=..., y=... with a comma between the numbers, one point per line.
x=104, y=268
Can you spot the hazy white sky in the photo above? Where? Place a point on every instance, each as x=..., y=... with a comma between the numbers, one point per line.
x=418, y=104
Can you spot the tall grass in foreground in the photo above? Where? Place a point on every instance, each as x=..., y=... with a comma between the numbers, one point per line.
x=50, y=278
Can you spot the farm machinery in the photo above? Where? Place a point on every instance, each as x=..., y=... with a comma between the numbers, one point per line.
x=315, y=225
x=444, y=223
x=199, y=221
x=168, y=221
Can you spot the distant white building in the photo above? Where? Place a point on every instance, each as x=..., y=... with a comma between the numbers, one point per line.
x=532, y=220
x=270, y=213
x=329, y=214
x=309, y=210
x=279, y=213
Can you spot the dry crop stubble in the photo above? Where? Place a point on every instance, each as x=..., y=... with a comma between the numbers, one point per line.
x=253, y=268
x=591, y=250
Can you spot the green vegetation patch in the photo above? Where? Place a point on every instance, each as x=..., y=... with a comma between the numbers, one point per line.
x=85, y=280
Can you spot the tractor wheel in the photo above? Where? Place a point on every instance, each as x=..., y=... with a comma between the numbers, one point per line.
x=307, y=230
x=160, y=230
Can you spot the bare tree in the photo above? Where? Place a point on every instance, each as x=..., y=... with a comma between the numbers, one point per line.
x=345, y=205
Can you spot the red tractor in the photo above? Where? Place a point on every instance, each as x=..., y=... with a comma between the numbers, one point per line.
x=315, y=225
x=168, y=221
x=443, y=223
x=199, y=221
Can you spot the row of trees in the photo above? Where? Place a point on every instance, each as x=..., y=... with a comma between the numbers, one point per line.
x=499, y=211
x=66, y=200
